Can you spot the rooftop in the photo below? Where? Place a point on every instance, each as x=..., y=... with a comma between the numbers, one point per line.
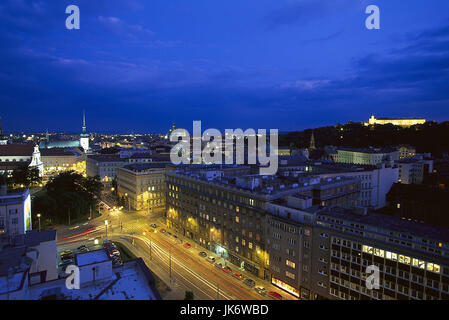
x=388, y=222
x=16, y=149
x=91, y=257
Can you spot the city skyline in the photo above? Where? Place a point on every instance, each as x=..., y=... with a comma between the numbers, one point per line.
x=267, y=67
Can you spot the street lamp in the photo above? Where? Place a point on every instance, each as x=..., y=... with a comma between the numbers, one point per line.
x=106, y=224
x=39, y=217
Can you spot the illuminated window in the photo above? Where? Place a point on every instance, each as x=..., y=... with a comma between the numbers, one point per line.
x=250, y=245
x=290, y=264
x=237, y=219
x=237, y=209
x=290, y=275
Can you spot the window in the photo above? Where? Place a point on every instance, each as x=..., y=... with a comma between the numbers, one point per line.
x=290, y=264
x=290, y=275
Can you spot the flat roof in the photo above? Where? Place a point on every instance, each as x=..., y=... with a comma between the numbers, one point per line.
x=390, y=223
x=87, y=258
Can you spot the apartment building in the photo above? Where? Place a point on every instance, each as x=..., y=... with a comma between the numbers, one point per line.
x=15, y=211
x=412, y=170
x=143, y=185
x=224, y=213
x=323, y=253
x=104, y=165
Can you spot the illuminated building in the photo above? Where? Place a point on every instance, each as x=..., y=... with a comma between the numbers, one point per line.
x=403, y=122
x=323, y=253
x=367, y=156
x=82, y=143
x=222, y=208
x=15, y=212
x=14, y=156
x=406, y=151
x=57, y=160
x=143, y=185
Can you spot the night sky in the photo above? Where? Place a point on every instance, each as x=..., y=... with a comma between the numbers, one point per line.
x=140, y=65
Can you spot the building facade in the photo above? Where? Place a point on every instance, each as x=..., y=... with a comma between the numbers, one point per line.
x=15, y=212
x=403, y=122
x=143, y=185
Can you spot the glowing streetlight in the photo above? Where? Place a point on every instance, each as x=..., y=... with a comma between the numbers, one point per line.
x=39, y=217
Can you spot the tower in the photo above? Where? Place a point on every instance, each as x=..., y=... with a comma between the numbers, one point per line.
x=84, y=137
x=312, y=142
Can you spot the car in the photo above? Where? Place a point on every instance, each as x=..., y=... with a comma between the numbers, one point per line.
x=175, y=236
x=82, y=249
x=218, y=265
x=66, y=252
x=162, y=230
x=203, y=254
x=261, y=290
x=153, y=225
x=106, y=243
x=64, y=264
x=249, y=282
x=238, y=275
x=66, y=255
x=187, y=245
x=210, y=259
x=169, y=233
x=275, y=295
x=227, y=269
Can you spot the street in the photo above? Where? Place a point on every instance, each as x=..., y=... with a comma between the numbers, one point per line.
x=189, y=271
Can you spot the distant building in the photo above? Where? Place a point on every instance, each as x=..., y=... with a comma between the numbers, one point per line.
x=283, y=151
x=57, y=160
x=406, y=151
x=3, y=139
x=15, y=212
x=414, y=169
x=104, y=165
x=14, y=156
x=402, y=122
x=83, y=142
x=367, y=156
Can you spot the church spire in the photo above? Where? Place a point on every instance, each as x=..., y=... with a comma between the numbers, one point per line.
x=84, y=121
x=312, y=142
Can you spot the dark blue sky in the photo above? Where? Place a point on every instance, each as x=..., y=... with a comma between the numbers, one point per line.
x=139, y=65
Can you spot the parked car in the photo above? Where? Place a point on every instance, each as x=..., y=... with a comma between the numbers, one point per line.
x=107, y=243
x=162, y=230
x=203, y=254
x=187, y=245
x=82, y=249
x=218, y=265
x=153, y=225
x=249, y=282
x=238, y=275
x=261, y=290
x=66, y=255
x=210, y=259
x=227, y=269
x=275, y=295
x=64, y=264
x=169, y=233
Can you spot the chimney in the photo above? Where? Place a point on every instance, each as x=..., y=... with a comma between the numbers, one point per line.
x=3, y=190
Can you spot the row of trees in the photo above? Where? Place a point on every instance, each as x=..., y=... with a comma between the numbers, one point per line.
x=67, y=197
x=429, y=137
